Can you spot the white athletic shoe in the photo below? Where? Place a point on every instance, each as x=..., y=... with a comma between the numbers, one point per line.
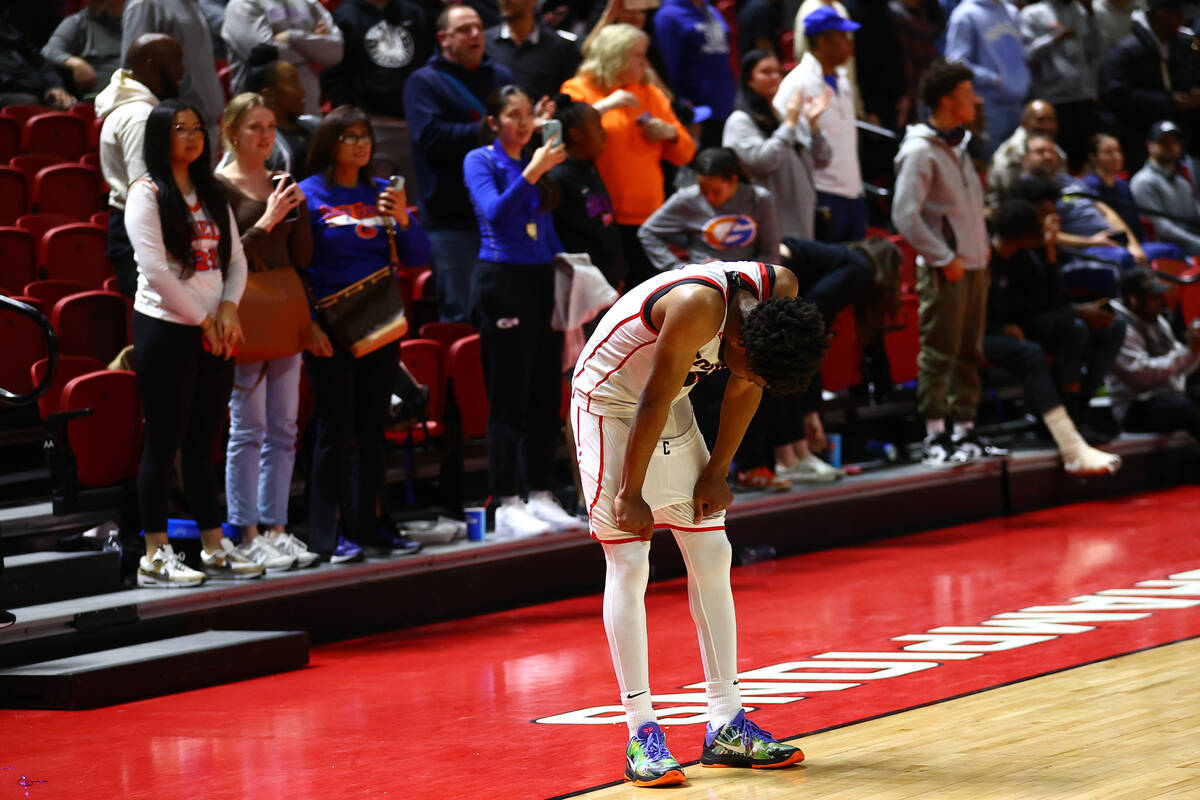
x=545, y=507
x=167, y=570
x=229, y=562
x=288, y=544
x=266, y=555
x=514, y=520
x=809, y=470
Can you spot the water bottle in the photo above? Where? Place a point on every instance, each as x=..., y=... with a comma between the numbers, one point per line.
x=755, y=554
x=113, y=544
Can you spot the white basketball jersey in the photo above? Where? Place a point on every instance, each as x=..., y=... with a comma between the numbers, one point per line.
x=615, y=364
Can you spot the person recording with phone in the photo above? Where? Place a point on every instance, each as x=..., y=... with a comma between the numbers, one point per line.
x=266, y=394
x=512, y=299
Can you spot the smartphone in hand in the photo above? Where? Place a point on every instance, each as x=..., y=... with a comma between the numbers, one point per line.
x=283, y=179
x=552, y=132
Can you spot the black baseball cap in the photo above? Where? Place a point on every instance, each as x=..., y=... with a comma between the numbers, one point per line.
x=1160, y=129
x=1142, y=281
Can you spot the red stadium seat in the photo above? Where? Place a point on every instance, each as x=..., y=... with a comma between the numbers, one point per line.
x=908, y=264
x=76, y=252
x=31, y=164
x=23, y=113
x=99, y=218
x=48, y=293
x=464, y=368
x=839, y=369
x=14, y=194
x=58, y=133
x=69, y=368
x=425, y=360
x=904, y=344
x=24, y=343
x=1173, y=267
x=85, y=111
x=1189, y=296
x=38, y=224
x=90, y=160
x=107, y=443
x=445, y=333
x=91, y=323
x=67, y=189
x=10, y=138
x=93, y=142
x=111, y=284
x=18, y=258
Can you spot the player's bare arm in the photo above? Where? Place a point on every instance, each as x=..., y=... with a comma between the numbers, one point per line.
x=687, y=318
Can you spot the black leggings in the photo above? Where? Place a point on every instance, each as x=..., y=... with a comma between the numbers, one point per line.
x=185, y=391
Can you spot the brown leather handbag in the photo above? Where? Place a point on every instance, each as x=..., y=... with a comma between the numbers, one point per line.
x=368, y=314
x=274, y=315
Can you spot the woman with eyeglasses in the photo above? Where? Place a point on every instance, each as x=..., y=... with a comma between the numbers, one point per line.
x=191, y=274
x=349, y=212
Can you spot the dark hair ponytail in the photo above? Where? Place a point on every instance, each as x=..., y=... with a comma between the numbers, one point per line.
x=173, y=213
x=719, y=162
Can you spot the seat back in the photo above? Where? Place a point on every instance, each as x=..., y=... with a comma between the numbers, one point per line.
x=76, y=252
x=839, y=369
x=464, y=367
x=425, y=359
x=85, y=111
x=1176, y=268
x=107, y=444
x=10, y=138
x=48, y=293
x=18, y=258
x=14, y=194
x=91, y=323
x=23, y=344
x=58, y=132
x=23, y=113
x=69, y=368
x=33, y=163
x=445, y=333
x=38, y=224
x=903, y=345
x=68, y=189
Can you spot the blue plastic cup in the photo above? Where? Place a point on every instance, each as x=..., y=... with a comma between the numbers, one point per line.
x=476, y=517
x=835, y=448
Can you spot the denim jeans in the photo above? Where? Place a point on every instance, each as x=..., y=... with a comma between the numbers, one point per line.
x=455, y=254
x=262, y=441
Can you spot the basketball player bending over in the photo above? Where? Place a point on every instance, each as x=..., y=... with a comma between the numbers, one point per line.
x=644, y=465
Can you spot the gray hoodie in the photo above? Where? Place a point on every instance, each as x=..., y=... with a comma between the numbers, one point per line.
x=1063, y=70
x=745, y=228
x=123, y=105
x=938, y=203
x=1151, y=362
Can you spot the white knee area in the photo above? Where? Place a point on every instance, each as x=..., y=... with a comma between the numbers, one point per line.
x=628, y=572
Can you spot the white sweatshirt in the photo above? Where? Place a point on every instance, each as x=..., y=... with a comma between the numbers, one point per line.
x=124, y=106
x=842, y=175
x=161, y=292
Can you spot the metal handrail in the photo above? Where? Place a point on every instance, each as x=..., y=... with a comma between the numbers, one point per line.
x=51, y=351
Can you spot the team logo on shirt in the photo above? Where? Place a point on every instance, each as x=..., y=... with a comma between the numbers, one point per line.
x=700, y=367
x=598, y=205
x=729, y=230
x=389, y=46
x=364, y=218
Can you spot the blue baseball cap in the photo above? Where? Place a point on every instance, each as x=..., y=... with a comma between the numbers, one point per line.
x=826, y=19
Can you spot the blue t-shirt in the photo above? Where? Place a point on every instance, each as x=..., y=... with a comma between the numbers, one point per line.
x=1079, y=215
x=694, y=43
x=514, y=228
x=1119, y=197
x=349, y=235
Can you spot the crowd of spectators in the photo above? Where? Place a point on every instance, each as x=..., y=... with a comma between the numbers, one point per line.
x=683, y=136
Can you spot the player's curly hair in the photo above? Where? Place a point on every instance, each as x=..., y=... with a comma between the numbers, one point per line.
x=785, y=341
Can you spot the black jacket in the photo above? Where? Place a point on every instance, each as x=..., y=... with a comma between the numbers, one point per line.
x=22, y=68
x=1023, y=288
x=383, y=47
x=540, y=69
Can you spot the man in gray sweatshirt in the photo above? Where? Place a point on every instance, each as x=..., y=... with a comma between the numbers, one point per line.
x=1160, y=186
x=938, y=208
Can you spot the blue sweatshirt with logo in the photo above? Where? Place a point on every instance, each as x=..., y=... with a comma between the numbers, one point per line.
x=694, y=43
x=986, y=36
x=514, y=227
x=349, y=236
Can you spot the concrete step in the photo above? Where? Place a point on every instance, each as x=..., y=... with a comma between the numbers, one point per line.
x=33, y=579
x=156, y=668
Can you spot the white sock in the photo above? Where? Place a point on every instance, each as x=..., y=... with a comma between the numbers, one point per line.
x=961, y=429
x=1079, y=458
x=708, y=557
x=934, y=427
x=625, y=579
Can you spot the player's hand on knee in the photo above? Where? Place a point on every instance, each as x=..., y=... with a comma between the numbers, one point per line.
x=712, y=494
x=634, y=515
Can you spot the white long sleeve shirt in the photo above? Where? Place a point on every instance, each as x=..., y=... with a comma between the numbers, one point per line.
x=842, y=175
x=162, y=292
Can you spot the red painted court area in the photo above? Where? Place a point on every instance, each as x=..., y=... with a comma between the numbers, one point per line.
x=449, y=711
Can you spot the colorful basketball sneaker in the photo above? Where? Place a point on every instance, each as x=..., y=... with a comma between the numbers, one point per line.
x=648, y=762
x=741, y=743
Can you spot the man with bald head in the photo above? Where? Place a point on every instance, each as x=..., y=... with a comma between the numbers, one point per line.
x=152, y=72
x=1038, y=117
x=444, y=101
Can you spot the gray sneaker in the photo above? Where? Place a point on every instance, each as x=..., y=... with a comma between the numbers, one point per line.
x=229, y=563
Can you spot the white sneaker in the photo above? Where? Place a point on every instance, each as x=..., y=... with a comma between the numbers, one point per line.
x=228, y=563
x=514, y=520
x=809, y=469
x=266, y=555
x=289, y=545
x=545, y=507
x=167, y=570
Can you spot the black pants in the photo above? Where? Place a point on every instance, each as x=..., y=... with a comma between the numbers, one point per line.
x=1082, y=355
x=185, y=391
x=350, y=408
x=1026, y=360
x=522, y=368
x=1166, y=413
x=120, y=253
